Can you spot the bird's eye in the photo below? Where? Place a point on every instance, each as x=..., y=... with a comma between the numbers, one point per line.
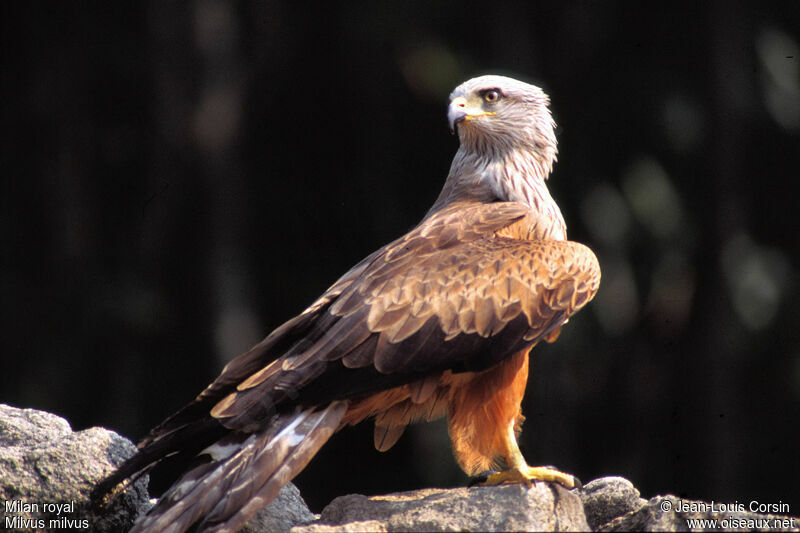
x=491, y=96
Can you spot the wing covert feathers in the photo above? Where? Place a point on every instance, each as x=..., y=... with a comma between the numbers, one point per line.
x=422, y=304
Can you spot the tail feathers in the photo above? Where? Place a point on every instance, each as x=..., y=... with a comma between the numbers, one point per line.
x=186, y=441
x=245, y=473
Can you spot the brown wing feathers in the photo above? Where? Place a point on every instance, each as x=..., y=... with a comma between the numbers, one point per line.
x=469, y=291
x=474, y=288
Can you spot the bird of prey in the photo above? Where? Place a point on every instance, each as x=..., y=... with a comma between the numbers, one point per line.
x=436, y=323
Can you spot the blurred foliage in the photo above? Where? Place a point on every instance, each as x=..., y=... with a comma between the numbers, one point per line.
x=181, y=177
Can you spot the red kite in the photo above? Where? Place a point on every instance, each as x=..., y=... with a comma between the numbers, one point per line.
x=437, y=323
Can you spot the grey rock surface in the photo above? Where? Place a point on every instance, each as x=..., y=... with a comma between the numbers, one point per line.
x=47, y=472
x=285, y=511
x=366, y=526
x=670, y=513
x=544, y=507
x=609, y=497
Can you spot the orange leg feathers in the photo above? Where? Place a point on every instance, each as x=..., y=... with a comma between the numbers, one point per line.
x=483, y=409
x=484, y=420
x=483, y=415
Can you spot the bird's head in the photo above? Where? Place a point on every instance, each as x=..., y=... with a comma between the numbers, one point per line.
x=498, y=114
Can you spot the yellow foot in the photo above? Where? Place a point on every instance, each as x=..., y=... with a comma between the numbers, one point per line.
x=529, y=474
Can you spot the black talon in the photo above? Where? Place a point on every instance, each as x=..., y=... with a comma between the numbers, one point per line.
x=480, y=478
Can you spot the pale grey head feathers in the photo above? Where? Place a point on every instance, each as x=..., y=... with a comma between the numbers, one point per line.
x=508, y=146
x=497, y=114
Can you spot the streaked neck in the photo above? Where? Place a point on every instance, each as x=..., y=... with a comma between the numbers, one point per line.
x=513, y=176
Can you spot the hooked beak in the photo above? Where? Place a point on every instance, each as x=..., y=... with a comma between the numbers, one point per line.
x=456, y=112
x=459, y=111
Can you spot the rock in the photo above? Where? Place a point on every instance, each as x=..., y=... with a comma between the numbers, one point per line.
x=544, y=507
x=47, y=472
x=670, y=513
x=607, y=498
x=285, y=511
x=367, y=526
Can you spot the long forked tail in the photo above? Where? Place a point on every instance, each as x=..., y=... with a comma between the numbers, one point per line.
x=245, y=473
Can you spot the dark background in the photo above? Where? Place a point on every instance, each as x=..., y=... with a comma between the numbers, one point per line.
x=180, y=178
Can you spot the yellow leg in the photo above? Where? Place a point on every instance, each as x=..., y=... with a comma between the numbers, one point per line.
x=518, y=470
